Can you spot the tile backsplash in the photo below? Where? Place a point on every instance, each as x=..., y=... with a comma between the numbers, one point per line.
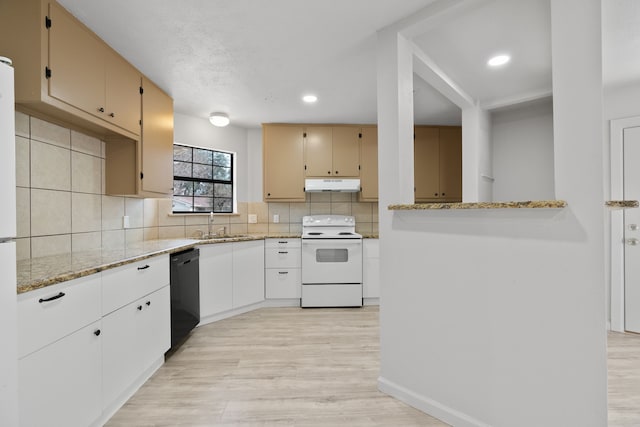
x=62, y=206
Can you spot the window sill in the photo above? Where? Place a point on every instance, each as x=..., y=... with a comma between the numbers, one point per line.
x=203, y=214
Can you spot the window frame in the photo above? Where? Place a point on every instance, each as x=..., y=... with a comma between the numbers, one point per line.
x=212, y=181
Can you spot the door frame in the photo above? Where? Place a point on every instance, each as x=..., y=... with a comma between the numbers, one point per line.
x=616, y=138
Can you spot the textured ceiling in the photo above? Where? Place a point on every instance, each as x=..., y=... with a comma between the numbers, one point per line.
x=255, y=59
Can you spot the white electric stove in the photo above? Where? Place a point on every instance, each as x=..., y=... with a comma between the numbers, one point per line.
x=331, y=262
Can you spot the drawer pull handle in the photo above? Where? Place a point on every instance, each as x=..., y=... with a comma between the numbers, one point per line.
x=60, y=295
x=139, y=308
x=148, y=303
x=144, y=267
x=283, y=272
x=283, y=243
x=97, y=332
x=283, y=252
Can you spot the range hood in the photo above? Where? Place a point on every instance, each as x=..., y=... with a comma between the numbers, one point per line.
x=340, y=185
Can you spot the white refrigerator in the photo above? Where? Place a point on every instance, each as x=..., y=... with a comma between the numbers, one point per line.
x=8, y=298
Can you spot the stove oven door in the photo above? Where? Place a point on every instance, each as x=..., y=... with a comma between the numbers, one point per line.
x=327, y=261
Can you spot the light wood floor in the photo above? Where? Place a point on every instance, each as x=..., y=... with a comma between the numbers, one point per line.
x=313, y=367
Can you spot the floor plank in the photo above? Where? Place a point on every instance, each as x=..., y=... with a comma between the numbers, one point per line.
x=308, y=368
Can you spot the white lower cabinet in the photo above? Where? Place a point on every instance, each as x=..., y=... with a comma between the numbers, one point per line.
x=248, y=273
x=371, y=268
x=216, y=279
x=60, y=384
x=231, y=276
x=135, y=336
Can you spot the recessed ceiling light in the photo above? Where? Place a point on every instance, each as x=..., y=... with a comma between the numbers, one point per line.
x=309, y=99
x=498, y=60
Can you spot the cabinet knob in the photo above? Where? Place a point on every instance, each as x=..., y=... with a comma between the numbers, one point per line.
x=112, y=114
x=443, y=194
x=337, y=172
x=268, y=194
x=101, y=109
x=329, y=172
x=435, y=194
x=139, y=308
x=97, y=332
x=148, y=303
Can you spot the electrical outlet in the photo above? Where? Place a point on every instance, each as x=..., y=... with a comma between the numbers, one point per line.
x=253, y=219
x=125, y=221
x=276, y=218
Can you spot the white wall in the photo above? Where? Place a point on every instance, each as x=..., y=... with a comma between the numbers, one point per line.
x=254, y=144
x=496, y=317
x=522, y=141
x=200, y=132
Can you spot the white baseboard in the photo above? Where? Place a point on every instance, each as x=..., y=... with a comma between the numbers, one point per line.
x=370, y=301
x=230, y=313
x=282, y=302
x=428, y=406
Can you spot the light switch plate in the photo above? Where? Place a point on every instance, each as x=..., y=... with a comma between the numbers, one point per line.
x=276, y=218
x=125, y=221
x=253, y=219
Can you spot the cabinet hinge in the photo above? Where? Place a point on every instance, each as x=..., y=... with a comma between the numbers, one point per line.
x=47, y=72
x=304, y=134
x=141, y=175
x=141, y=90
x=47, y=22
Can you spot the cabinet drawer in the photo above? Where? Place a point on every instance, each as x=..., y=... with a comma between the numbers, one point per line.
x=48, y=314
x=282, y=243
x=125, y=284
x=282, y=258
x=283, y=283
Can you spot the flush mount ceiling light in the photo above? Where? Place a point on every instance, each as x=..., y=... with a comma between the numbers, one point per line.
x=219, y=119
x=498, y=60
x=309, y=99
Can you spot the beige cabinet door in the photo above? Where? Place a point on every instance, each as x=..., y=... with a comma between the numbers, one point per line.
x=318, y=157
x=346, y=151
x=426, y=164
x=283, y=163
x=369, y=164
x=157, y=140
x=76, y=60
x=451, y=164
x=122, y=93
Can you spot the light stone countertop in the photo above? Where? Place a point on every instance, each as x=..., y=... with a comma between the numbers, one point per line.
x=529, y=204
x=621, y=204
x=36, y=273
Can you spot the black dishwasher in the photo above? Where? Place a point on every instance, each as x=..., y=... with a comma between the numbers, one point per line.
x=185, y=294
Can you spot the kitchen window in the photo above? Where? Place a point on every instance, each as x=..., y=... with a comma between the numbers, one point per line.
x=202, y=180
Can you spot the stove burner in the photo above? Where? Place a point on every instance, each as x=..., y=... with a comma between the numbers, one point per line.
x=345, y=233
x=314, y=233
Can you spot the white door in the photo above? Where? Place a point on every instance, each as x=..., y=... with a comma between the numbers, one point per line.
x=631, y=149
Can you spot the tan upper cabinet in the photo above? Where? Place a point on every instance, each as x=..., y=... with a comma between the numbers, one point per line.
x=157, y=140
x=122, y=93
x=369, y=164
x=76, y=63
x=332, y=151
x=66, y=72
x=438, y=164
x=144, y=167
x=283, y=162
